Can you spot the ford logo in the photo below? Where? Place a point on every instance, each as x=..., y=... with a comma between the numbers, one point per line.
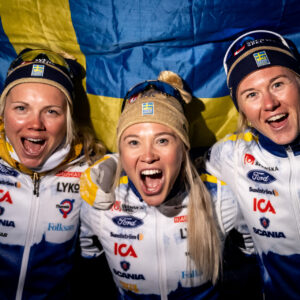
x=127, y=221
x=261, y=176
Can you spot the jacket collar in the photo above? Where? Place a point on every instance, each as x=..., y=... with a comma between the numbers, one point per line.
x=279, y=150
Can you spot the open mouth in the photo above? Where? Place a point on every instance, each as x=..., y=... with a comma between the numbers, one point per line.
x=152, y=181
x=277, y=119
x=33, y=146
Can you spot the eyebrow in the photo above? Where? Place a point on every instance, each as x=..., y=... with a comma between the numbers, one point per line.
x=156, y=135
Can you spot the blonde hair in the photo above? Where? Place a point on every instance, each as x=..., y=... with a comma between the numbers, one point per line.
x=203, y=239
x=93, y=149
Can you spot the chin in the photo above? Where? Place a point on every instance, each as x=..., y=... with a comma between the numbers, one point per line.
x=153, y=200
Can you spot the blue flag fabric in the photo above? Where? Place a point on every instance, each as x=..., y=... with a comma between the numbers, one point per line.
x=121, y=43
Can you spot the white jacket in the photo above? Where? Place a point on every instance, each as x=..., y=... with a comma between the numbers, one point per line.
x=265, y=179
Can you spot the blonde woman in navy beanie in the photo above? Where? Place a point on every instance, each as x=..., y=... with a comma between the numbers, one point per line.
x=159, y=234
x=261, y=162
x=42, y=154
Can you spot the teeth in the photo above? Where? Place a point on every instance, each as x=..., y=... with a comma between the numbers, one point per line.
x=277, y=117
x=34, y=140
x=150, y=172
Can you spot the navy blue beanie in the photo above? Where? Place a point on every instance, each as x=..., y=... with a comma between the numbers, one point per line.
x=253, y=51
x=40, y=66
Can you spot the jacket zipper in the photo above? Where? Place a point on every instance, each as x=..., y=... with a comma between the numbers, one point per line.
x=29, y=235
x=162, y=276
x=293, y=185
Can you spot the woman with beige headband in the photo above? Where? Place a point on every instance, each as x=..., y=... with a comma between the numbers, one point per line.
x=159, y=197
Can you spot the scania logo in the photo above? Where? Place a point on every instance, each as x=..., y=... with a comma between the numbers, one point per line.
x=125, y=265
x=127, y=221
x=264, y=222
x=261, y=176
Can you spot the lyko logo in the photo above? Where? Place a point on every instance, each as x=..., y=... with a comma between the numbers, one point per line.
x=263, y=205
x=249, y=159
x=124, y=250
x=261, y=176
x=6, y=197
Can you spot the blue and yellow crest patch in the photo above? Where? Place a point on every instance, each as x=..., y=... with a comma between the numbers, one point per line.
x=147, y=108
x=261, y=58
x=37, y=70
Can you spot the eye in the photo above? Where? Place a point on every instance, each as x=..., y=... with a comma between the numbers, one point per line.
x=278, y=84
x=251, y=95
x=52, y=112
x=162, y=141
x=19, y=108
x=133, y=142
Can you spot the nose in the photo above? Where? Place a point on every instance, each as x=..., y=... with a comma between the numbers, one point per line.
x=149, y=156
x=36, y=122
x=270, y=102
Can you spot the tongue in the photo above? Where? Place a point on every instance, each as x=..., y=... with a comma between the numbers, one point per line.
x=32, y=148
x=152, y=182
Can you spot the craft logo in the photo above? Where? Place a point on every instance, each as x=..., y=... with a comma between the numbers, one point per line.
x=67, y=187
x=263, y=206
x=180, y=219
x=260, y=176
x=261, y=58
x=37, y=70
x=68, y=174
x=124, y=250
x=127, y=221
x=264, y=222
x=4, y=170
x=65, y=207
x=125, y=265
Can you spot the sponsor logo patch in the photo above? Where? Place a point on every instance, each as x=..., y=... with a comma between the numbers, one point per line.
x=65, y=207
x=4, y=170
x=127, y=221
x=260, y=176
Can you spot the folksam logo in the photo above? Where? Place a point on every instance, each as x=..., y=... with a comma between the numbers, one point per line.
x=260, y=176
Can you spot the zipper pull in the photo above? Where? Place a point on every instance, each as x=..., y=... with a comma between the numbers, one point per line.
x=36, y=184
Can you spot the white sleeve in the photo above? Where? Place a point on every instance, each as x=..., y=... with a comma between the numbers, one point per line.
x=90, y=220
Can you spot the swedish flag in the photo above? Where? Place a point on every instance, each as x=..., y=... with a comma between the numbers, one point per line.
x=121, y=43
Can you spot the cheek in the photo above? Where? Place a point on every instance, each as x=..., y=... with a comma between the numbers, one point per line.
x=12, y=124
x=174, y=160
x=57, y=127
